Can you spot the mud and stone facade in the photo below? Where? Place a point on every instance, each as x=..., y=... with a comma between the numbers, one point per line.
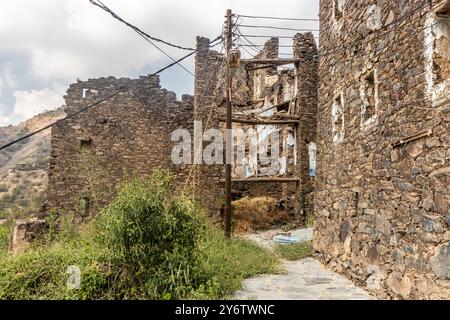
x=130, y=134
x=127, y=135
x=260, y=91
x=382, y=200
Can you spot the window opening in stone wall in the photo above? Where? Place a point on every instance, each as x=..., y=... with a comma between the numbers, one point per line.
x=441, y=57
x=85, y=142
x=369, y=92
x=312, y=154
x=85, y=206
x=338, y=9
x=337, y=113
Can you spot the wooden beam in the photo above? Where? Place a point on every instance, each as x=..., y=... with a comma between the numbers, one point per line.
x=279, y=61
x=274, y=106
x=413, y=137
x=263, y=122
x=266, y=180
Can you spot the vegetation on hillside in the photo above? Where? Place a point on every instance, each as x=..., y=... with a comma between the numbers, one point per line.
x=24, y=165
x=147, y=244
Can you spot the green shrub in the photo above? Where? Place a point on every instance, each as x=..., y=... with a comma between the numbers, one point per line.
x=226, y=262
x=147, y=244
x=5, y=232
x=152, y=237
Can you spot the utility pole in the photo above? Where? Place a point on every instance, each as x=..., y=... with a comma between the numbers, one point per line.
x=228, y=141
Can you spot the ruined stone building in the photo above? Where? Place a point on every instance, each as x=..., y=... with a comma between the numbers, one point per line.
x=132, y=132
x=266, y=99
x=124, y=136
x=374, y=101
x=382, y=199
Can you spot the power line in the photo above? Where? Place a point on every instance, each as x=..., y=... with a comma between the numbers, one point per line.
x=99, y=4
x=104, y=99
x=259, y=36
x=275, y=18
x=377, y=52
x=144, y=35
x=93, y=104
x=277, y=28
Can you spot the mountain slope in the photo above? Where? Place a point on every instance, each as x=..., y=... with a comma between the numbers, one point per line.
x=23, y=167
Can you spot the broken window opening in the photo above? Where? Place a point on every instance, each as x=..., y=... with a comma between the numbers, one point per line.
x=441, y=56
x=337, y=113
x=85, y=142
x=338, y=9
x=85, y=206
x=369, y=94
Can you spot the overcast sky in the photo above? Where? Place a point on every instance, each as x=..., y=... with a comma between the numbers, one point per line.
x=47, y=44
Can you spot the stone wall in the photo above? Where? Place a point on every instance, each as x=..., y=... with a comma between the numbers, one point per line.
x=127, y=135
x=382, y=201
x=306, y=50
x=254, y=89
x=131, y=133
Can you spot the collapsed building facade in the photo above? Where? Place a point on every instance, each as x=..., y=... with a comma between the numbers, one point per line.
x=125, y=136
x=268, y=101
x=131, y=133
x=382, y=200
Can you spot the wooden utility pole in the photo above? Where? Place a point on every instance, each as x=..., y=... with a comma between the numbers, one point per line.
x=228, y=142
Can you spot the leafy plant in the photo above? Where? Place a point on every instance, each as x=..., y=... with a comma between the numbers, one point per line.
x=147, y=244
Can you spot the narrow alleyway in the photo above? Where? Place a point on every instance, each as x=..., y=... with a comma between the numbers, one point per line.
x=304, y=279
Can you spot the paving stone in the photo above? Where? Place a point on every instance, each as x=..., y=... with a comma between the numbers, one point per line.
x=304, y=279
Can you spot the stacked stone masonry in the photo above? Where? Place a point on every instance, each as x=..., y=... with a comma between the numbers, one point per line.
x=130, y=134
x=127, y=135
x=382, y=200
x=255, y=88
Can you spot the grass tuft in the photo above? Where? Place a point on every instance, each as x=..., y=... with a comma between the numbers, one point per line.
x=295, y=251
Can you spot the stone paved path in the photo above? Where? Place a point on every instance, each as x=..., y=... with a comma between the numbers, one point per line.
x=304, y=279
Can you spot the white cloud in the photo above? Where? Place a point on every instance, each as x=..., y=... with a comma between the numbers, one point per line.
x=7, y=77
x=4, y=120
x=68, y=39
x=57, y=64
x=32, y=102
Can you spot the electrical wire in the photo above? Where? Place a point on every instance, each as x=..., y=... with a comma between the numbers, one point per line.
x=260, y=36
x=275, y=18
x=93, y=104
x=144, y=35
x=277, y=28
x=353, y=44
x=99, y=4
x=376, y=54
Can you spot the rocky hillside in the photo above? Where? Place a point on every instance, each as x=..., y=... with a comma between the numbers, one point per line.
x=23, y=167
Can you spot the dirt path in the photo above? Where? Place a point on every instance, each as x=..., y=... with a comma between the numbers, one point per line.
x=304, y=279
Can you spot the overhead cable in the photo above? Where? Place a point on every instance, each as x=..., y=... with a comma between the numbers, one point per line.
x=99, y=4
x=92, y=105
x=276, y=18
x=144, y=35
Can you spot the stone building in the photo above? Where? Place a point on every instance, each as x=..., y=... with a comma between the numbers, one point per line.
x=129, y=134
x=382, y=200
x=132, y=132
x=263, y=96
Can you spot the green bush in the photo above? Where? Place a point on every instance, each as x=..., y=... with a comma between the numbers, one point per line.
x=5, y=232
x=151, y=237
x=227, y=262
x=147, y=244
